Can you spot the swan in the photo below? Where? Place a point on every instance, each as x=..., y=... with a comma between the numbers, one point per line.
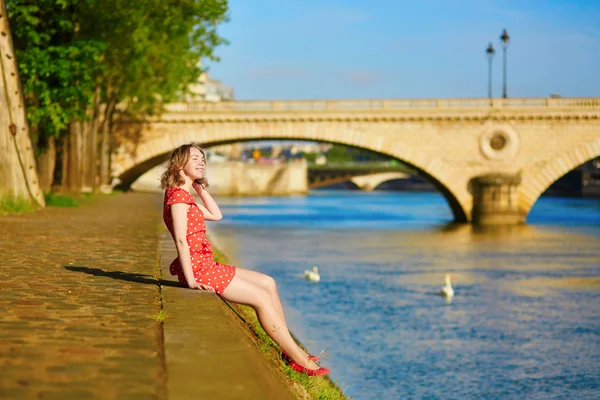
x=447, y=290
x=312, y=275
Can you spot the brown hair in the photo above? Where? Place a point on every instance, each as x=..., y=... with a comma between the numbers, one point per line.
x=177, y=160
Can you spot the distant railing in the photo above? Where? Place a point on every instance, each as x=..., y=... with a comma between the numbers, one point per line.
x=383, y=105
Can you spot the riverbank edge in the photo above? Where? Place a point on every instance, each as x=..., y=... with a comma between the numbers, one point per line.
x=208, y=353
x=304, y=387
x=210, y=340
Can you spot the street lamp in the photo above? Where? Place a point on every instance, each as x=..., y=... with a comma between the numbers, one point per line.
x=504, y=38
x=490, y=54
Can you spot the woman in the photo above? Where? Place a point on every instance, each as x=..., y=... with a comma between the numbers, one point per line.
x=195, y=266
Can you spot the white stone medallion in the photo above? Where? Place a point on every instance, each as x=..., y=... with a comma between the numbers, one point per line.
x=499, y=142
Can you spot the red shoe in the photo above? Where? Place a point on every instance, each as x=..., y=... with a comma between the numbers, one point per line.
x=308, y=371
x=310, y=356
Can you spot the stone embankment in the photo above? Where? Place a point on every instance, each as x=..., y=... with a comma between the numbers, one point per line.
x=237, y=178
x=82, y=299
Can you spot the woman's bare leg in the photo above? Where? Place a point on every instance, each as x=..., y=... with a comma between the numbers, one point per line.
x=267, y=283
x=244, y=292
x=264, y=281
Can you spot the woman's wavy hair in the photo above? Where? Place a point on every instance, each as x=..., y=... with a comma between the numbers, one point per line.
x=177, y=160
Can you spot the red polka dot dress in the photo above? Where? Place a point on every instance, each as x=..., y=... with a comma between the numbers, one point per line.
x=206, y=270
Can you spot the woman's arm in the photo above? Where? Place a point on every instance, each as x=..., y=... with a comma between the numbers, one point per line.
x=210, y=209
x=179, y=215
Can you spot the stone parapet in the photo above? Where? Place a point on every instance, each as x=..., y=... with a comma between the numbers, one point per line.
x=386, y=104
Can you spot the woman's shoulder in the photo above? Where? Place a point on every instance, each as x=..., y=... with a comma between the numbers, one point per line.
x=176, y=189
x=178, y=195
x=172, y=189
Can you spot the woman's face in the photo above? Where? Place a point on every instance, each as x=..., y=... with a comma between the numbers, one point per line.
x=196, y=165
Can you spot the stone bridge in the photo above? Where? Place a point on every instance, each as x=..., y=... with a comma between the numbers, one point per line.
x=370, y=182
x=491, y=159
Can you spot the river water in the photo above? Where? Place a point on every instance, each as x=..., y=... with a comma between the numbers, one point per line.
x=524, y=323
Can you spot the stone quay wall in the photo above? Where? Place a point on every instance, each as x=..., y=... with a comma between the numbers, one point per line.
x=237, y=178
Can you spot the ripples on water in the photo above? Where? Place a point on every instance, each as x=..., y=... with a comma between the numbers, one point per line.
x=524, y=323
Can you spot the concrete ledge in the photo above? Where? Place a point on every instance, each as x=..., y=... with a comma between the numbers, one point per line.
x=208, y=354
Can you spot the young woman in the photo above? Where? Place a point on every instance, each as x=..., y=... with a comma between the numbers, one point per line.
x=195, y=266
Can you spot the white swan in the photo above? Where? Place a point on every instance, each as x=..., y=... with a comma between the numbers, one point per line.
x=312, y=275
x=447, y=290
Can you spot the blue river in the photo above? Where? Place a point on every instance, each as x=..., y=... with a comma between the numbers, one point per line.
x=524, y=323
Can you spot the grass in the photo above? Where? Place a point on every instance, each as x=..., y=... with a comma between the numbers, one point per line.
x=305, y=387
x=54, y=199
x=19, y=205
x=16, y=205
x=161, y=316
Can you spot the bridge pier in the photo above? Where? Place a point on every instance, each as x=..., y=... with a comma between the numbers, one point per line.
x=495, y=199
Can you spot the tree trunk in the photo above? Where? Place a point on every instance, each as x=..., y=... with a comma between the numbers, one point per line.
x=80, y=156
x=84, y=155
x=73, y=159
x=64, y=161
x=18, y=176
x=46, y=162
x=105, y=147
x=92, y=178
x=59, y=165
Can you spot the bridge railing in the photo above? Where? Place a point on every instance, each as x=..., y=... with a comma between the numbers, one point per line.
x=384, y=105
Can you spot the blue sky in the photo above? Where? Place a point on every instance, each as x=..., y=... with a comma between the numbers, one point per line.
x=344, y=49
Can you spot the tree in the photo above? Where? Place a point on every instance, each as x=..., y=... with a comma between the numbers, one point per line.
x=339, y=153
x=84, y=62
x=18, y=178
x=153, y=54
x=58, y=73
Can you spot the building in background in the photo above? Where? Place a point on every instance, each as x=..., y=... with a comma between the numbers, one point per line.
x=208, y=89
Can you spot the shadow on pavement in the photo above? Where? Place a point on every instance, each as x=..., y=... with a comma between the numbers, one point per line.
x=124, y=276
x=138, y=278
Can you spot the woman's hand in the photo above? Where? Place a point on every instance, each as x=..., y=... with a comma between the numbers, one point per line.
x=202, y=286
x=197, y=187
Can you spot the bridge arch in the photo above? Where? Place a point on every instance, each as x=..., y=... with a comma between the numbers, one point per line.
x=372, y=181
x=493, y=157
x=164, y=137
x=536, y=181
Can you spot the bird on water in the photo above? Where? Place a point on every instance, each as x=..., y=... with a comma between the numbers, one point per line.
x=312, y=275
x=447, y=290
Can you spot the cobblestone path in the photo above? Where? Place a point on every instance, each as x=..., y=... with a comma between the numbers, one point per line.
x=78, y=302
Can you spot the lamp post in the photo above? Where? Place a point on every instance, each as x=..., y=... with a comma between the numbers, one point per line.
x=504, y=38
x=490, y=54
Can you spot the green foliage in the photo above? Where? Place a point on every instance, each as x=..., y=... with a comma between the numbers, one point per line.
x=138, y=53
x=316, y=387
x=12, y=205
x=161, y=316
x=66, y=200
x=57, y=70
x=154, y=48
x=341, y=153
x=15, y=205
x=60, y=200
x=311, y=157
